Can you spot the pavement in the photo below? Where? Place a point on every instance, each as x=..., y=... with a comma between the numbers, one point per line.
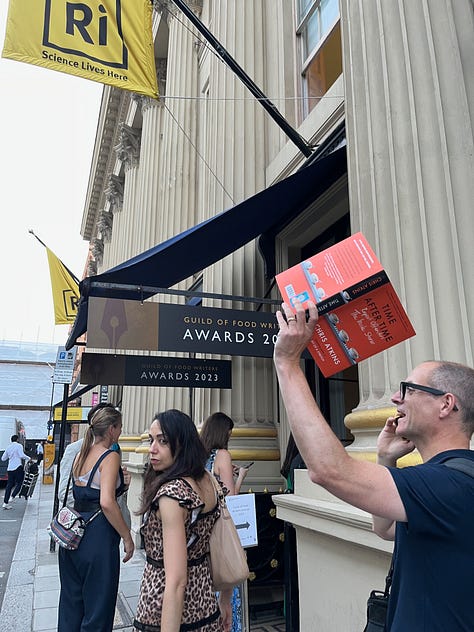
x=31, y=597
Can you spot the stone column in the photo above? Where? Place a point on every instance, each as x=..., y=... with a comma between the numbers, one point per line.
x=409, y=85
x=149, y=171
x=236, y=156
x=128, y=152
x=135, y=407
x=175, y=201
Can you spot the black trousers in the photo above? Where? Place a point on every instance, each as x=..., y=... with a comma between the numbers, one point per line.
x=89, y=580
x=15, y=480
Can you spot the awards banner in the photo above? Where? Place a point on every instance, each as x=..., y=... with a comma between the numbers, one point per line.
x=130, y=370
x=131, y=325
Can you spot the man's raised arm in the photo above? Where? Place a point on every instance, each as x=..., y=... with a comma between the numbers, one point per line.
x=365, y=485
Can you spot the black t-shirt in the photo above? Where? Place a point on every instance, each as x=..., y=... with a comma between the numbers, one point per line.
x=433, y=579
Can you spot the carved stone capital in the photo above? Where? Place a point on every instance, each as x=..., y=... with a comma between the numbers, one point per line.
x=97, y=250
x=91, y=267
x=161, y=70
x=195, y=6
x=114, y=193
x=104, y=224
x=167, y=7
x=128, y=147
x=145, y=102
x=139, y=99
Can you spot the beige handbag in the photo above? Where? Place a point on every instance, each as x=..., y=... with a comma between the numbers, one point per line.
x=229, y=566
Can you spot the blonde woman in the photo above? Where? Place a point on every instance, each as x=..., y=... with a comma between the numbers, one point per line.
x=90, y=575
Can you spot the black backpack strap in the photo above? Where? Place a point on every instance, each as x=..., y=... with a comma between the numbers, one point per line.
x=94, y=469
x=388, y=580
x=461, y=464
x=121, y=489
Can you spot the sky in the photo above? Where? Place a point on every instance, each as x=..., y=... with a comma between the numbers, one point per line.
x=48, y=126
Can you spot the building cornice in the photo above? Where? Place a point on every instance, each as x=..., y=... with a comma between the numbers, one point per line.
x=113, y=110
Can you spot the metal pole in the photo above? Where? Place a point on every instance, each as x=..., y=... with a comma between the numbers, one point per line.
x=51, y=410
x=77, y=394
x=292, y=134
x=62, y=439
x=148, y=289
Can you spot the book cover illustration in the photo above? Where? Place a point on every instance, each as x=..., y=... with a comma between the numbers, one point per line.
x=360, y=312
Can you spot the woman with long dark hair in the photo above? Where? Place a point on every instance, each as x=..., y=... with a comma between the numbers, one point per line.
x=180, y=508
x=215, y=435
x=90, y=575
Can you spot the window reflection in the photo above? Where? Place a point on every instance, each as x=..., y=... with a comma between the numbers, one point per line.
x=321, y=52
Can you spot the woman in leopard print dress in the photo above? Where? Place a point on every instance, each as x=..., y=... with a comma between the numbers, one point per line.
x=180, y=508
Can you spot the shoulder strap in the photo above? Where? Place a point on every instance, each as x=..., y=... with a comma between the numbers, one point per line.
x=67, y=486
x=388, y=580
x=121, y=489
x=218, y=489
x=94, y=469
x=461, y=464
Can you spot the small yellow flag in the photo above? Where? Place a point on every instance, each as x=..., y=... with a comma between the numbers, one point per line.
x=109, y=41
x=65, y=291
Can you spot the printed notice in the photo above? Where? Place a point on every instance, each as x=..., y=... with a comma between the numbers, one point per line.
x=64, y=367
x=360, y=313
x=242, y=510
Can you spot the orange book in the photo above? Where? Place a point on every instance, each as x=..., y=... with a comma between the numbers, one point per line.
x=360, y=313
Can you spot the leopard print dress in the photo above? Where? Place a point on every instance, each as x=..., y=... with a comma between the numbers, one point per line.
x=201, y=610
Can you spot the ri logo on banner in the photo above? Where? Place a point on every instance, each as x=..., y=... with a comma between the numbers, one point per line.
x=109, y=41
x=89, y=30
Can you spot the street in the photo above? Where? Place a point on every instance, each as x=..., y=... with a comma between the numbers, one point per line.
x=10, y=523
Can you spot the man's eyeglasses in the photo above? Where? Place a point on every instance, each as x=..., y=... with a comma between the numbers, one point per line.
x=420, y=387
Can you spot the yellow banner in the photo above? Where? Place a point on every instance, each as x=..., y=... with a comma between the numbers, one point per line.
x=74, y=413
x=48, y=463
x=65, y=291
x=109, y=41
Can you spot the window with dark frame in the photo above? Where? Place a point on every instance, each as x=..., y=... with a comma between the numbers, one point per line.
x=319, y=36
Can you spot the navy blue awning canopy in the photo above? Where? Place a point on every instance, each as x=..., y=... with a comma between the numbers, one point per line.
x=202, y=245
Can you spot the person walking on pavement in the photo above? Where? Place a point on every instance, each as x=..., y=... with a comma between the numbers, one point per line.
x=15, y=456
x=39, y=452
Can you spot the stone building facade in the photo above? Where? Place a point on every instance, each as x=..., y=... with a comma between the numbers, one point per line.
x=393, y=84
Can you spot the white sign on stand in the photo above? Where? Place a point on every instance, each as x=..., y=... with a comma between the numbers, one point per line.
x=64, y=369
x=244, y=515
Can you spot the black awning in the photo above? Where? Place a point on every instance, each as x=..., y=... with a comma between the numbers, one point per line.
x=202, y=245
